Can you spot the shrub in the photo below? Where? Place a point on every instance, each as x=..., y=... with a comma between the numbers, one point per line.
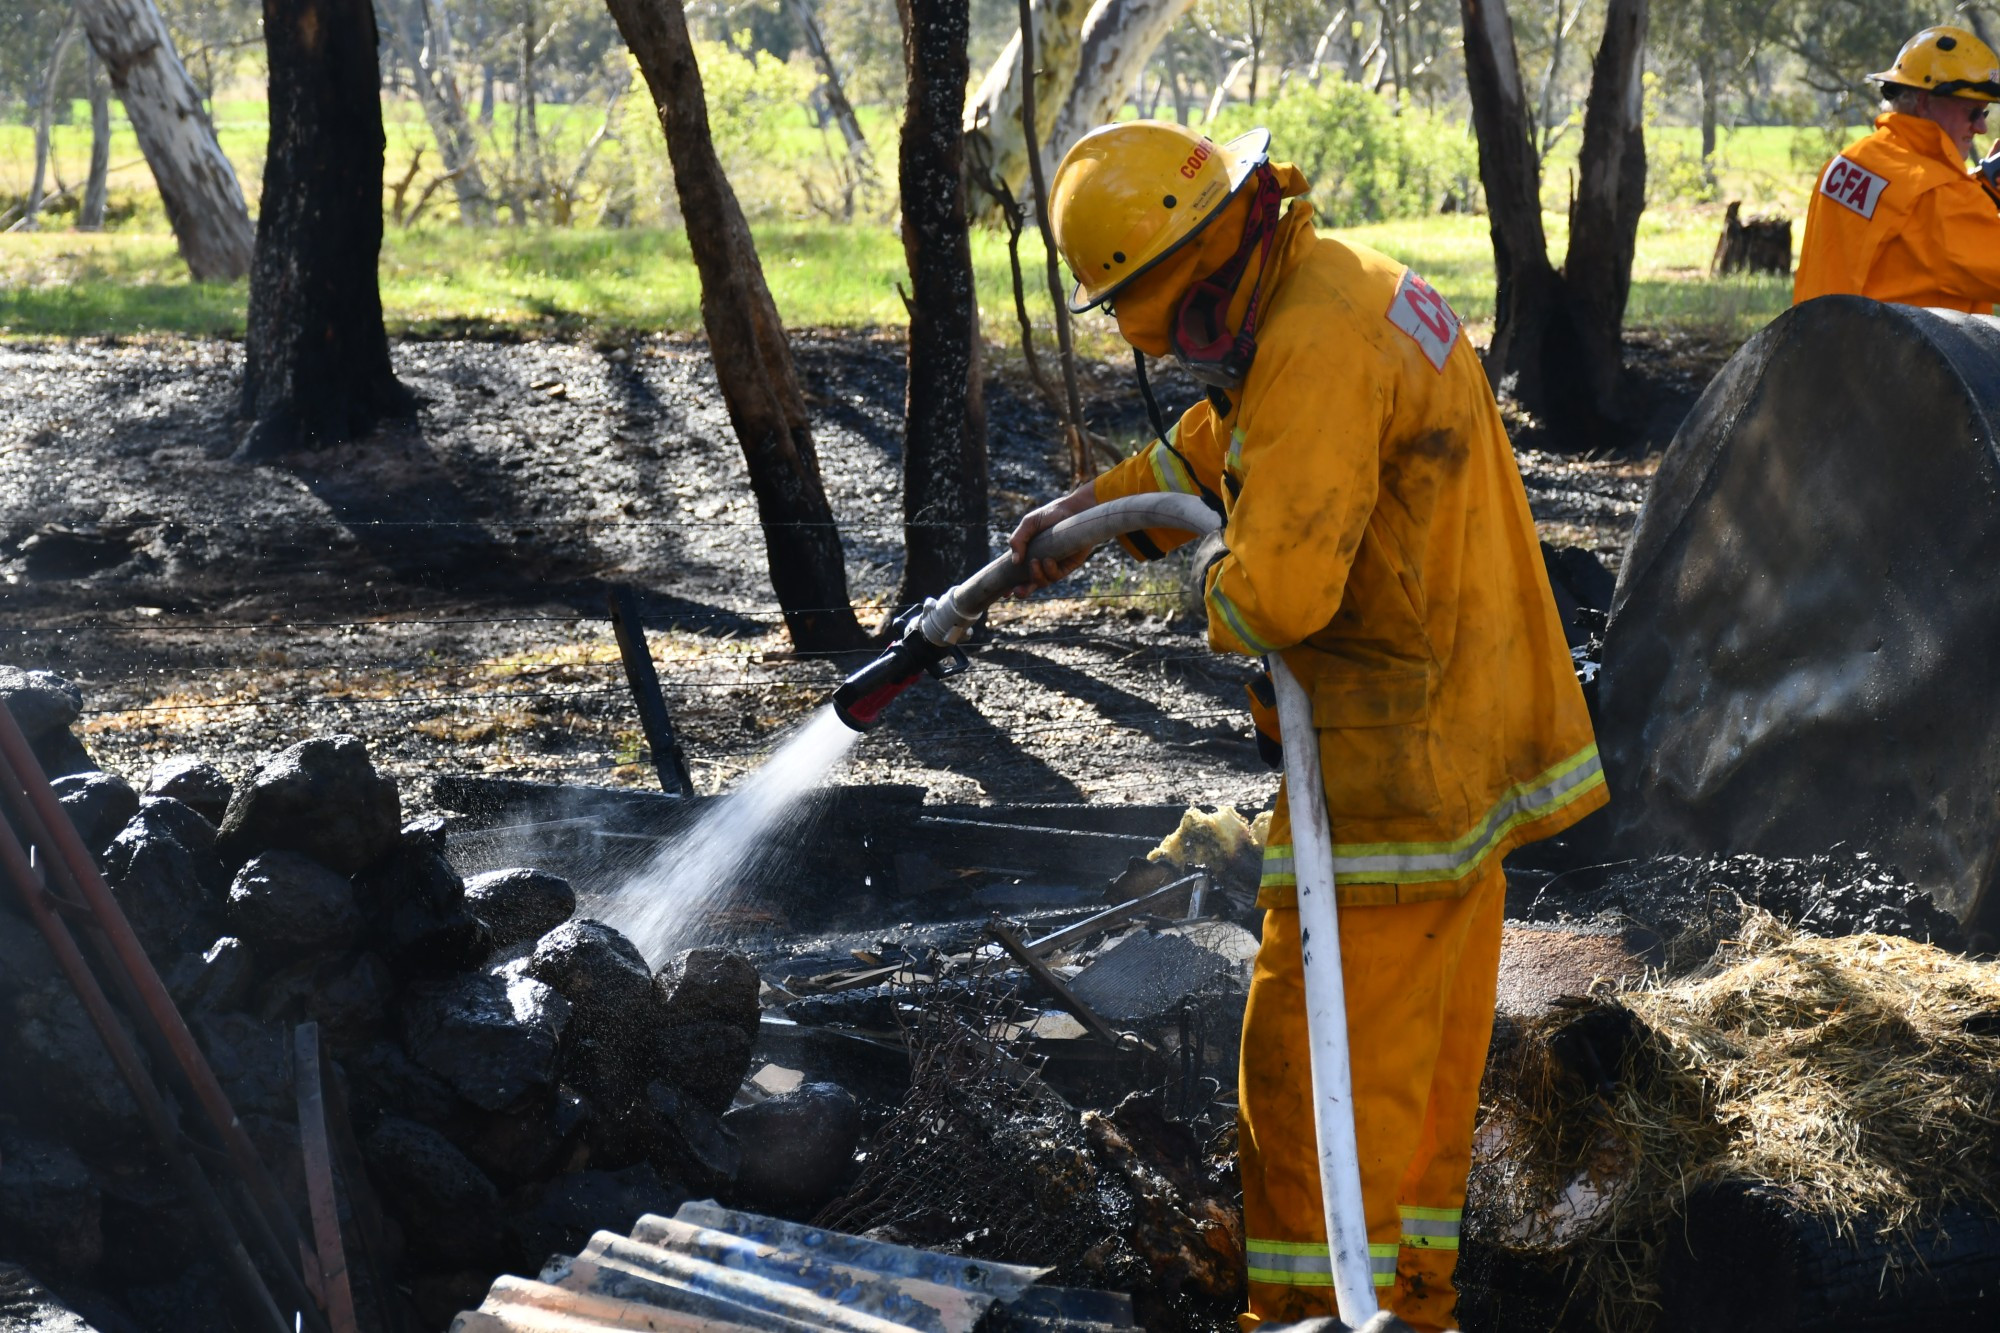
x=1368, y=160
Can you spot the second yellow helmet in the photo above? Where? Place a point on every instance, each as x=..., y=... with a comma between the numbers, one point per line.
x=1950, y=62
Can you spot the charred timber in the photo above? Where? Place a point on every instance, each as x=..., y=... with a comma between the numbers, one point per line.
x=316, y=358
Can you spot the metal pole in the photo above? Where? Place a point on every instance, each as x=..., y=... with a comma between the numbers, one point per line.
x=1326, y=1003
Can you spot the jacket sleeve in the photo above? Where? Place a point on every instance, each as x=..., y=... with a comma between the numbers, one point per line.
x=1309, y=465
x=1964, y=236
x=1154, y=468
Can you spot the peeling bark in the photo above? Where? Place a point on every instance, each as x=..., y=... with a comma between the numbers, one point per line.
x=994, y=147
x=753, y=360
x=197, y=185
x=316, y=359
x=944, y=412
x=95, y=190
x=1119, y=38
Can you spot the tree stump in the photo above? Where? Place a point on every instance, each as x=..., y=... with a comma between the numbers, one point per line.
x=1761, y=245
x=1749, y=1258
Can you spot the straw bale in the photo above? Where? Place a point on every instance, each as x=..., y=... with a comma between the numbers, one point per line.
x=1860, y=1076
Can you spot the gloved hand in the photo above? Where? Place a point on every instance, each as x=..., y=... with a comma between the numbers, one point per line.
x=1042, y=573
x=1989, y=170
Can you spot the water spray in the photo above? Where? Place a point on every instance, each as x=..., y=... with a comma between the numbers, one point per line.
x=927, y=641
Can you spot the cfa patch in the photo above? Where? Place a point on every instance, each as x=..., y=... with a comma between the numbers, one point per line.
x=1852, y=186
x=1420, y=312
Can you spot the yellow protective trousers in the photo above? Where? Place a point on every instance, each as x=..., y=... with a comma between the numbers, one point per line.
x=1420, y=992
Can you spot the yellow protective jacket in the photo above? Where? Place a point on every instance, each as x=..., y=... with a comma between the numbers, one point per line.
x=1897, y=217
x=1379, y=538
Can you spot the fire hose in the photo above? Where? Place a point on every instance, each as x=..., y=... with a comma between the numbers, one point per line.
x=929, y=645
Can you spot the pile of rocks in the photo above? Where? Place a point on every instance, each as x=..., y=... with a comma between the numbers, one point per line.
x=518, y=1077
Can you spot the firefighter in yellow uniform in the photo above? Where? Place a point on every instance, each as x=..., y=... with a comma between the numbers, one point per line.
x=1897, y=217
x=1378, y=538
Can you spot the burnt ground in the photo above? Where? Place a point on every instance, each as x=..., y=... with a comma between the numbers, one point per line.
x=439, y=589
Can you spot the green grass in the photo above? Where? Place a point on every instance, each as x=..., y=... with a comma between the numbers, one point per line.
x=822, y=275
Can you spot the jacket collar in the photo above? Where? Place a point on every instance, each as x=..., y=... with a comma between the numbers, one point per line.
x=1923, y=137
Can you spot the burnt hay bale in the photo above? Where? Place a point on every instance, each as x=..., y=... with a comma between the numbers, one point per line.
x=416, y=905
x=321, y=798
x=195, y=782
x=164, y=873
x=492, y=1035
x=99, y=804
x=283, y=904
x=448, y=1208
x=796, y=1147
x=520, y=905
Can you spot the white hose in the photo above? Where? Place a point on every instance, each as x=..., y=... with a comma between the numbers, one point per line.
x=1326, y=1004
x=946, y=621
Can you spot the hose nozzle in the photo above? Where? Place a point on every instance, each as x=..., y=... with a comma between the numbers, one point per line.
x=863, y=696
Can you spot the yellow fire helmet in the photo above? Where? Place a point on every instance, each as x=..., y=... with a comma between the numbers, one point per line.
x=1950, y=62
x=1128, y=195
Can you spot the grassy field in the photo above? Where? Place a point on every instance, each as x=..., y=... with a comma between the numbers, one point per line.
x=439, y=278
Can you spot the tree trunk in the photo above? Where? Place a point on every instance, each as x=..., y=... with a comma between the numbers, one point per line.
x=1710, y=95
x=91, y=216
x=753, y=361
x=197, y=185
x=51, y=80
x=944, y=413
x=1119, y=37
x=421, y=33
x=530, y=185
x=993, y=144
x=1528, y=289
x=1610, y=195
x=316, y=360
x=836, y=96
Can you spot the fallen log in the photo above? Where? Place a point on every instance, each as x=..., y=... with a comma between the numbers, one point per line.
x=1748, y=1257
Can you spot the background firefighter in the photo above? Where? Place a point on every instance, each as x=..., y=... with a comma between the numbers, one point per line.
x=1897, y=217
x=1378, y=537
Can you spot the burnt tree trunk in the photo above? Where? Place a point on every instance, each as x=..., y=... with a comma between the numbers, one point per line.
x=1610, y=195
x=1557, y=343
x=944, y=413
x=316, y=359
x=753, y=360
x=197, y=185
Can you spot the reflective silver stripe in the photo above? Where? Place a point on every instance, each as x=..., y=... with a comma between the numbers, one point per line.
x=1423, y=1226
x=1234, y=619
x=1289, y=1260
x=1382, y=1264
x=1278, y=867
x=1167, y=470
x=1380, y=862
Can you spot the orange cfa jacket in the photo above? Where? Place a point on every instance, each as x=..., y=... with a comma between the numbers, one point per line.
x=1379, y=539
x=1897, y=217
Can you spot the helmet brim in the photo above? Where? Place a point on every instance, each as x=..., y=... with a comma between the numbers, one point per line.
x=1245, y=153
x=1966, y=91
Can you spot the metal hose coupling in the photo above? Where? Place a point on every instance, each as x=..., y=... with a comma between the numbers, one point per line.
x=928, y=635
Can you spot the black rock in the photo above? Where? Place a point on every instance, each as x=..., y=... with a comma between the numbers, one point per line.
x=42, y=702
x=169, y=884
x=416, y=905
x=192, y=1298
x=492, y=1036
x=252, y=1060
x=576, y=1206
x=691, y=1143
x=195, y=782
x=437, y=1298
x=99, y=804
x=283, y=904
x=50, y=1213
x=25, y=960
x=526, y=1142
x=321, y=798
x=520, y=905
x=796, y=1147
x=61, y=754
x=54, y=1070
x=709, y=1061
x=386, y=1081
x=447, y=1206
x=348, y=995
x=217, y=979
x=600, y=973
x=711, y=986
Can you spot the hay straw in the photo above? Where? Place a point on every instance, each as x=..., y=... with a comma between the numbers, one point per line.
x=1859, y=1075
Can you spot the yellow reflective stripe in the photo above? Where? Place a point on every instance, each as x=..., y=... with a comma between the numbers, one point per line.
x=1431, y=1228
x=1168, y=472
x=1220, y=604
x=1235, y=459
x=1291, y=1263
x=1523, y=803
x=1279, y=868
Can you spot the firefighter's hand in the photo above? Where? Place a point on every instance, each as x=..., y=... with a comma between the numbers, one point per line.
x=1041, y=573
x=1989, y=167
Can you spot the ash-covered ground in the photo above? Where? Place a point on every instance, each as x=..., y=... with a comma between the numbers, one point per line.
x=440, y=588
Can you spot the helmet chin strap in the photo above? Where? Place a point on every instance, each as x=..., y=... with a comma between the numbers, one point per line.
x=1201, y=340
